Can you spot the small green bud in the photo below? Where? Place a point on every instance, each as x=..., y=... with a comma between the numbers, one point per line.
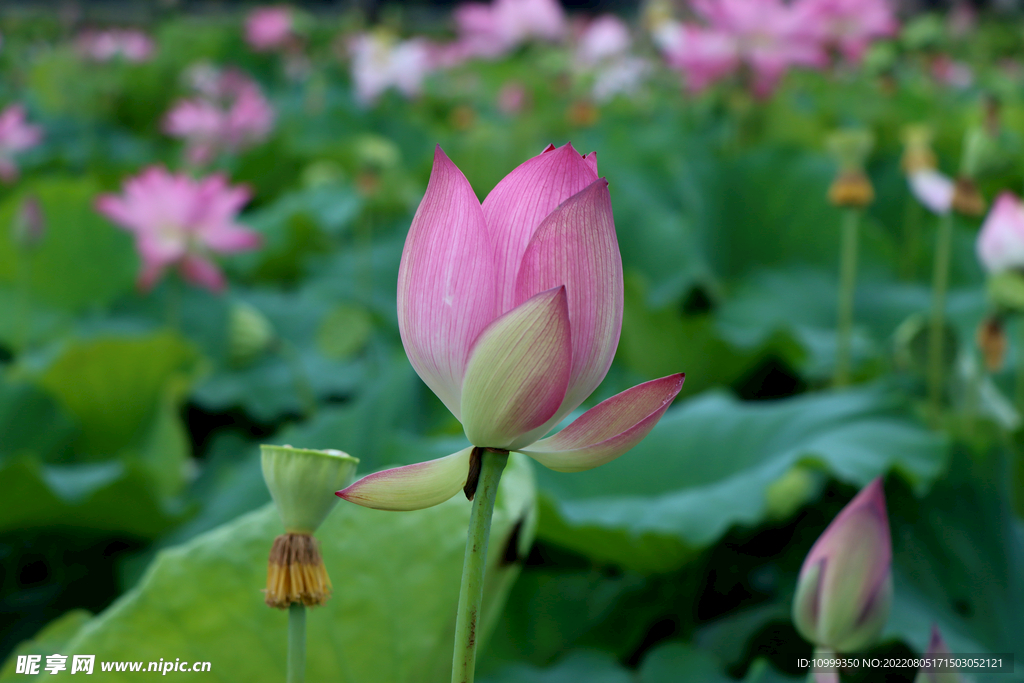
x=850, y=148
x=303, y=481
x=249, y=334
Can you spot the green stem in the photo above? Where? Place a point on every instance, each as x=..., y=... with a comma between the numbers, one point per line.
x=829, y=676
x=471, y=595
x=296, y=643
x=936, y=331
x=1019, y=360
x=847, y=289
x=911, y=238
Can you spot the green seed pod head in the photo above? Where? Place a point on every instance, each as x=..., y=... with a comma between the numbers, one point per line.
x=850, y=147
x=303, y=481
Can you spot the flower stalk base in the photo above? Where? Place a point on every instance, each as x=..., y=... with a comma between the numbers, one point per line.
x=936, y=327
x=847, y=290
x=296, y=574
x=296, y=643
x=492, y=463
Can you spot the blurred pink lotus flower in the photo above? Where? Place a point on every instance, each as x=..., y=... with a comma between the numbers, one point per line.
x=605, y=38
x=1001, y=240
x=269, y=28
x=128, y=44
x=16, y=135
x=768, y=36
x=847, y=25
x=603, y=52
x=844, y=589
x=495, y=29
x=704, y=56
x=937, y=648
x=380, y=62
x=952, y=73
x=230, y=115
x=934, y=190
x=179, y=221
x=512, y=98
x=510, y=312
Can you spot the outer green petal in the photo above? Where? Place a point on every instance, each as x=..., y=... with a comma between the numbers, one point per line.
x=412, y=487
x=517, y=372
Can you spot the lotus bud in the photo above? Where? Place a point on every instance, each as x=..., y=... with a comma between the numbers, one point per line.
x=302, y=483
x=991, y=338
x=844, y=590
x=29, y=226
x=851, y=148
x=937, y=648
x=249, y=334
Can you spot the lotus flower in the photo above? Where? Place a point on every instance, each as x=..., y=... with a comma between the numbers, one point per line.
x=511, y=313
x=380, y=62
x=16, y=135
x=103, y=46
x=847, y=25
x=231, y=115
x=179, y=221
x=268, y=28
x=1001, y=240
x=605, y=38
x=493, y=30
x=845, y=585
x=937, y=648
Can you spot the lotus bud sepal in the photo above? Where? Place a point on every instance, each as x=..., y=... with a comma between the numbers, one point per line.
x=844, y=590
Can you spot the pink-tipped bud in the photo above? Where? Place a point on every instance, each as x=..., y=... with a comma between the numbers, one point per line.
x=937, y=648
x=845, y=586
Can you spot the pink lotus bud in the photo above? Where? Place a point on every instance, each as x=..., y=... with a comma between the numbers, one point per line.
x=845, y=586
x=937, y=648
x=1001, y=240
x=29, y=227
x=510, y=311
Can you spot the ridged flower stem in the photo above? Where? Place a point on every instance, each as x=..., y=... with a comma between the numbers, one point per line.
x=296, y=643
x=831, y=676
x=471, y=594
x=1019, y=362
x=847, y=291
x=936, y=327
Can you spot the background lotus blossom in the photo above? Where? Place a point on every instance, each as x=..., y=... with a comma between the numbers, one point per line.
x=179, y=221
x=848, y=26
x=845, y=585
x=605, y=38
x=231, y=115
x=269, y=28
x=495, y=29
x=1001, y=240
x=16, y=135
x=510, y=311
x=128, y=44
x=380, y=62
x=933, y=189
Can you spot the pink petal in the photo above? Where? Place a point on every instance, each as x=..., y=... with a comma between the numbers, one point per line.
x=575, y=246
x=230, y=238
x=203, y=272
x=609, y=429
x=517, y=372
x=1000, y=243
x=519, y=203
x=446, y=282
x=932, y=189
x=412, y=487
